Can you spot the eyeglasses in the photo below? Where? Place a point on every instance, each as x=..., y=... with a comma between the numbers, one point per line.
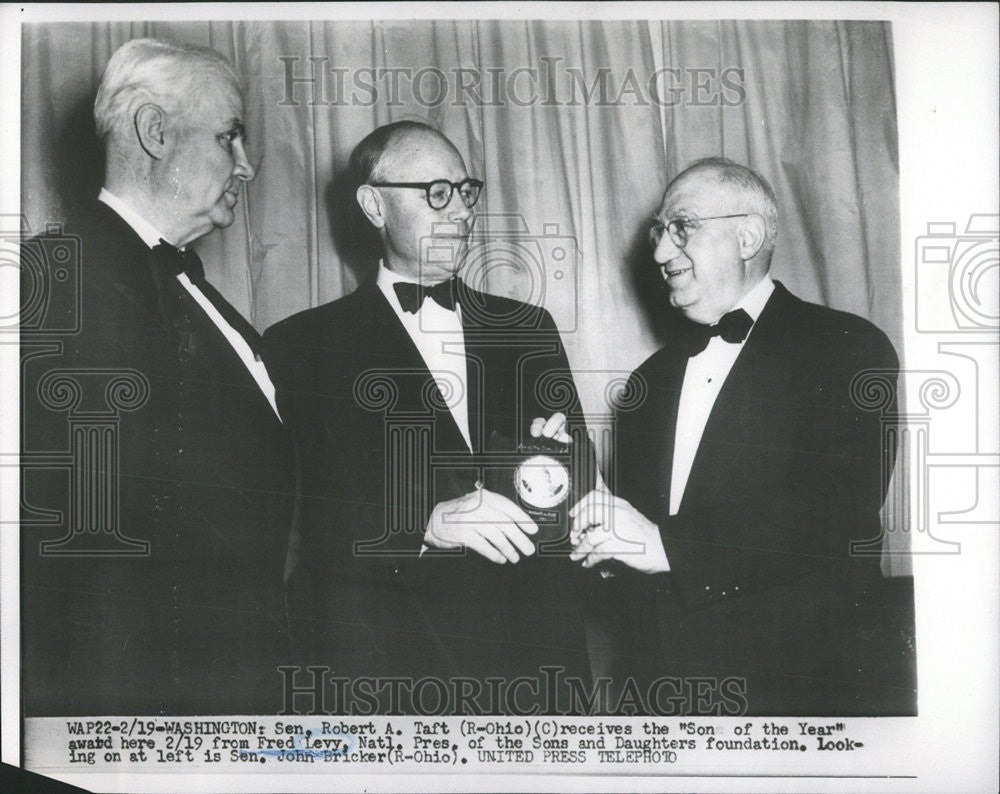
x=439, y=191
x=679, y=228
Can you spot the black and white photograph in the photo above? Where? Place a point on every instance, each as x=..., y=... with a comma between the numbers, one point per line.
x=500, y=396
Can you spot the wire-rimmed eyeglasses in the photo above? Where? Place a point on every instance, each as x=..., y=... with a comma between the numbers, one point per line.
x=679, y=227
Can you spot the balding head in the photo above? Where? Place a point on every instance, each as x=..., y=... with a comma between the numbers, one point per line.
x=713, y=237
x=748, y=190
x=395, y=168
x=391, y=144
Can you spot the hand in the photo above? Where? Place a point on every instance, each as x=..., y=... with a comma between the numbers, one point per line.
x=606, y=527
x=484, y=521
x=554, y=427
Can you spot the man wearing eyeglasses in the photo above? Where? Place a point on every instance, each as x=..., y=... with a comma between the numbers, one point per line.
x=168, y=596
x=408, y=566
x=747, y=473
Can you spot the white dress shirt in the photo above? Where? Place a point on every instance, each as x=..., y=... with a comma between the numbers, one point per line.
x=151, y=236
x=437, y=333
x=703, y=379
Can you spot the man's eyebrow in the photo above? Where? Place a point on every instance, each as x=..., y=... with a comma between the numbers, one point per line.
x=680, y=213
x=675, y=212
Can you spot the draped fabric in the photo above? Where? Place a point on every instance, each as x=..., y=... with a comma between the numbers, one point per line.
x=576, y=128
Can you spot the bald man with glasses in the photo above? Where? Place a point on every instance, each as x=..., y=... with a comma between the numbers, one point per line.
x=749, y=478
x=407, y=565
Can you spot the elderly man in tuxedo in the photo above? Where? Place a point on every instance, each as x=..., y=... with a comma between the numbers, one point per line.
x=168, y=596
x=746, y=475
x=410, y=565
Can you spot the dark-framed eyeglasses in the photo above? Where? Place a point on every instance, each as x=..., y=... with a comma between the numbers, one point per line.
x=679, y=228
x=439, y=191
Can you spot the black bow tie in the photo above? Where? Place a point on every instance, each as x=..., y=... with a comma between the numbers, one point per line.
x=733, y=328
x=176, y=262
x=411, y=296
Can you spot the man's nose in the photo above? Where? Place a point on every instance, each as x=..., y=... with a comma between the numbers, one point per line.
x=666, y=250
x=244, y=170
x=457, y=211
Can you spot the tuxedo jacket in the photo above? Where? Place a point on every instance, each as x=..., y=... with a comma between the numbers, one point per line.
x=764, y=586
x=193, y=622
x=377, y=448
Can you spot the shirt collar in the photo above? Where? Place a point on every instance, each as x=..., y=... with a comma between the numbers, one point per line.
x=150, y=235
x=754, y=301
x=387, y=278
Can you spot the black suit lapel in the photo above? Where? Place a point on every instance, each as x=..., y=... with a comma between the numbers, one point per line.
x=128, y=266
x=419, y=391
x=141, y=278
x=474, y=373
x=671, y=371
x=752, y=388
x=198, y=339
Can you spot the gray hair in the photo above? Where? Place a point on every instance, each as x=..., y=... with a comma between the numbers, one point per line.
x=151, y=70
x=752, y=190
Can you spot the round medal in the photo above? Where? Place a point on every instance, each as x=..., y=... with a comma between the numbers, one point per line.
x=542, y=482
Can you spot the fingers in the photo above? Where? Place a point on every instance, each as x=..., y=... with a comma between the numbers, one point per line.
x=597, y=509
x=509, y=511
x=515, y=536
x=494, y=527
x=504, y=540
x=582, y=513
x=554, y=427
x=481, y=546
x=598, y=496
x=590, y=542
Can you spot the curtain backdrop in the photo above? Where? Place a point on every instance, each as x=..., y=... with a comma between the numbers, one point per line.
x=576, y=128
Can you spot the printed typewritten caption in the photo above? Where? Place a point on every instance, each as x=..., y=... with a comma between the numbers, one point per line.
x=625, y=745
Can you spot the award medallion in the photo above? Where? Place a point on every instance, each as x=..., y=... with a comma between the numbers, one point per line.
x=544, y=478
x=542, y=482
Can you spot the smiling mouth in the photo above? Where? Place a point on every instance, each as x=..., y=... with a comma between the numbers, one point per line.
x=669, y=274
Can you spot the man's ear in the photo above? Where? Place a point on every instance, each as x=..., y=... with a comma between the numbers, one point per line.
x=371, y=205
x=752, y=233
x=150, y=129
